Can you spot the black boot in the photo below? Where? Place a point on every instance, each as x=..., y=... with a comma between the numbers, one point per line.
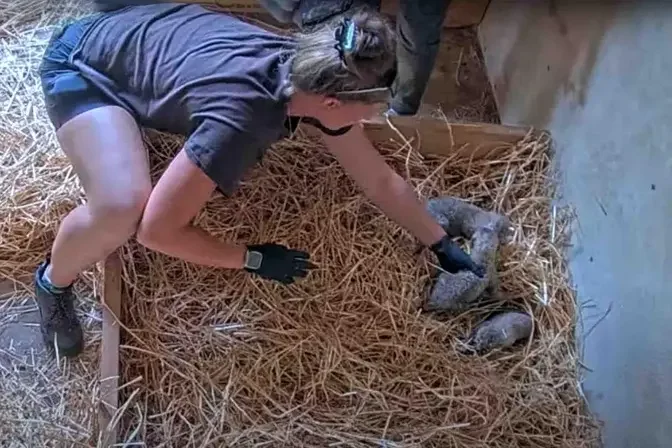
x=58, y=321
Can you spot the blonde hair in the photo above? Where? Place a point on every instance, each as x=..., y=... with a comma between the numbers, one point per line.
x=320, y=68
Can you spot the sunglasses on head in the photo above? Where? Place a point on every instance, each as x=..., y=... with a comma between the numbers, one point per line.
x=372, y=95
x=345, y=36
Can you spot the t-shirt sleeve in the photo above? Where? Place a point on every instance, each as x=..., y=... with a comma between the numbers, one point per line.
x=224, y=152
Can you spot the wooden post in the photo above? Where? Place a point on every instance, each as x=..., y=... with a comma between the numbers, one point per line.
x=430, y=135
x=109, y=359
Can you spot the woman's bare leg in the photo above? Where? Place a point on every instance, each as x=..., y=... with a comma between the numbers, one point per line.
x=106, y=150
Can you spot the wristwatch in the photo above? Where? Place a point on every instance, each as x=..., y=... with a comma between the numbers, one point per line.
x=253, y=260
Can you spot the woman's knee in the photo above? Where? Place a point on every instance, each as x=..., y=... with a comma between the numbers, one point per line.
x=106, y=149
x=120, y=213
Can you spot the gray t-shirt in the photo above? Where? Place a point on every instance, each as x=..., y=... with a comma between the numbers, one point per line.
x=188, y=70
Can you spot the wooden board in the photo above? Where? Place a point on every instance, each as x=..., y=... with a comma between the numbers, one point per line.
x=460, y=12
x=434, y=136
x=109, y=357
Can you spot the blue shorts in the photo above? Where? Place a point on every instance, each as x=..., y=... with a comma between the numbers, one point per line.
x=66, y=92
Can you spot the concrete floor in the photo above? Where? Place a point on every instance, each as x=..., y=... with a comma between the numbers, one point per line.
x=598, y=76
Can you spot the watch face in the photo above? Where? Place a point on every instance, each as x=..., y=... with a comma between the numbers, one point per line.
x=253, y=260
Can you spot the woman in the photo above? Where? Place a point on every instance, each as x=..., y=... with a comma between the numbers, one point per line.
x=229, y=87
x=419, y=25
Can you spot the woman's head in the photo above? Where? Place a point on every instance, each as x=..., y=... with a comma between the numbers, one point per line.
x=337, y=65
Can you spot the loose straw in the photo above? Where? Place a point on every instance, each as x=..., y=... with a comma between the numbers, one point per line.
x=343, y=358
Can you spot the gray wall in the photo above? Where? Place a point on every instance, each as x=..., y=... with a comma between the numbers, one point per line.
x=598, y=75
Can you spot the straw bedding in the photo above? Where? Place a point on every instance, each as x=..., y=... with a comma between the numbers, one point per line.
x=343, y=358
x=43, y=401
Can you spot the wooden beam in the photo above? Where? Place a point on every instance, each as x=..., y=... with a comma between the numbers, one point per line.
x=430, y=135
x=109, y=357
x=460, y=13
x=433, y=136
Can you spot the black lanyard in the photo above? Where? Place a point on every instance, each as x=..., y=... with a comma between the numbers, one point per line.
x=294, y=122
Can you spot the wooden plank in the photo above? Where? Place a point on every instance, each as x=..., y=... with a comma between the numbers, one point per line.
x=434, y=136
x=109, y=359
x=461, y=13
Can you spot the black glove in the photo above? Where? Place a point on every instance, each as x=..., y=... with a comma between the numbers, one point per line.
x=453, y=259
x=276, y=262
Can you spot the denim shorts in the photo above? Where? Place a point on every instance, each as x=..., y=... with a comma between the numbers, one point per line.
x=66, y=92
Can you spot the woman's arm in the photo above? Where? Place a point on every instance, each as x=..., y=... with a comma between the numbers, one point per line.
x=382, y=185
x=395, y=197
x=166, y=226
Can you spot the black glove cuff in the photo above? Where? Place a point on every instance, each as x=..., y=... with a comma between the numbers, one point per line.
x=438, y=246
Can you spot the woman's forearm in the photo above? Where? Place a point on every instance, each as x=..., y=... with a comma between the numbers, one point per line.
x=398, y=201
x=383, y=186
x=195, y=246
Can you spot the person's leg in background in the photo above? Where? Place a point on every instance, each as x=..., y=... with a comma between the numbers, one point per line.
x=419, y=25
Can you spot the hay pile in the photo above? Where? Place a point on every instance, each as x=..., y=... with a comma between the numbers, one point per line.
x=43, y=402
x=344, y=358
x=214, y=358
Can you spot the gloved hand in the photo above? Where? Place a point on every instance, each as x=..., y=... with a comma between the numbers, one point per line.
x=276, y=262
x=453, y=259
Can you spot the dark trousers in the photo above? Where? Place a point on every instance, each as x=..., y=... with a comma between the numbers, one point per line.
x=419, y=25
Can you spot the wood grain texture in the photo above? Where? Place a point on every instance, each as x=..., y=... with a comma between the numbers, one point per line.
x=434, y=136
x=460, y=12
x=109, y=357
